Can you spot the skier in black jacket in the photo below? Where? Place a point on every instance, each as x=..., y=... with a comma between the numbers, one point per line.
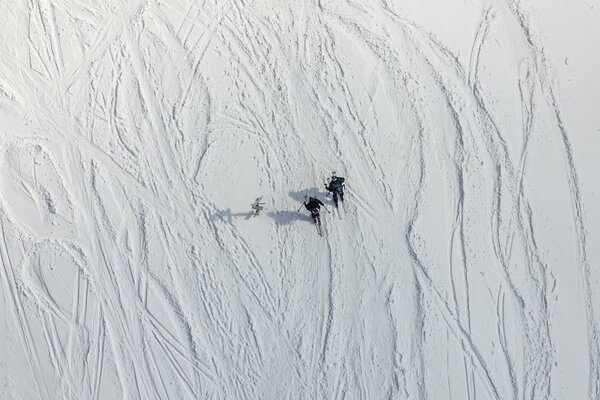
x=336, y=186
x=313, y=205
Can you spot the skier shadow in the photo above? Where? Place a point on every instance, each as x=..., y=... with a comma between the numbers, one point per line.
x=228, y=216
x=287, y=217
x=313, y=191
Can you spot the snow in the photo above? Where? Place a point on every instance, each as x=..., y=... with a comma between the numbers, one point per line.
x=134, y=136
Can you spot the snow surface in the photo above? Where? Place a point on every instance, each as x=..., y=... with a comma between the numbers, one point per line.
x=134, y=135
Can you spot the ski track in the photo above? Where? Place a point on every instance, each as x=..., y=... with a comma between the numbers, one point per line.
x=123, y=278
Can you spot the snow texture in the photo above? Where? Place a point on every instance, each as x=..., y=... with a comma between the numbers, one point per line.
x=134, y=135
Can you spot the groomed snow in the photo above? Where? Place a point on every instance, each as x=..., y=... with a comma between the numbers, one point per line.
x=134, y=136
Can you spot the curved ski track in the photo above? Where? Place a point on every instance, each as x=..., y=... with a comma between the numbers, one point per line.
x=131, y=130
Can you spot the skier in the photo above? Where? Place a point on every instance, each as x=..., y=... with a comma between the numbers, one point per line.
x=336, y=186
x=257, y=206
x=313, y=205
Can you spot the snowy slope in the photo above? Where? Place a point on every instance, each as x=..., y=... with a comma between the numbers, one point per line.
x=134, y=135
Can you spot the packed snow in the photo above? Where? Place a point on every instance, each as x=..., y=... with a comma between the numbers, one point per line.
x=135, y=136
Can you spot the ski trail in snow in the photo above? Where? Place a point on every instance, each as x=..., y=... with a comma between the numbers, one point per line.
x=542, y=73
x=478, y=41
x=19, y=315
x=510, y=173
x=134, y=134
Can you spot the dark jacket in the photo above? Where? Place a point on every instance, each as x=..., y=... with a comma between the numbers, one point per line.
x=336, y=185
x=313, y=205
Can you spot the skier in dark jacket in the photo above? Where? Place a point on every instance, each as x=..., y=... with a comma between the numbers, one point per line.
x=336, y=186
x=313, y=205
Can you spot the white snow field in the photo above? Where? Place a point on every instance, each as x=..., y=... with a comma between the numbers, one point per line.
x=134, y=135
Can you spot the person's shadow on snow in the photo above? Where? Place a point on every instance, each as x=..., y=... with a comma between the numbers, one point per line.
x=313, y=191
x=228, y=216
x=287, y=217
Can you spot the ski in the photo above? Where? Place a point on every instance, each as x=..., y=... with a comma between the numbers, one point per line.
x=342, y=209
x=320, y=228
